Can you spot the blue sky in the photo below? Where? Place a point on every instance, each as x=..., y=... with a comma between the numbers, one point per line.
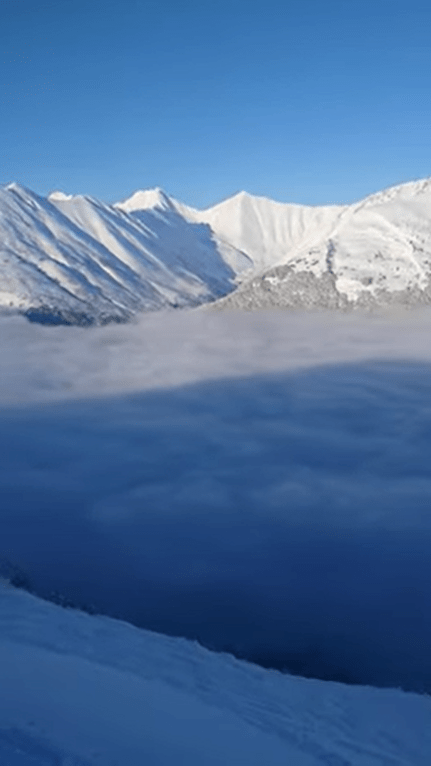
x=302, y=101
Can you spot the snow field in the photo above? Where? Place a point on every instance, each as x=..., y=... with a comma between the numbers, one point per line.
x=79, y=690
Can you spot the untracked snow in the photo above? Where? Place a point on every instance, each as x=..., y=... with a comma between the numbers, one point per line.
x=80, y=691
x=77, y=260
x=375, y=252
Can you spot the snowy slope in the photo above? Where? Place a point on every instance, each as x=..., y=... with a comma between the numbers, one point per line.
x=143, y=203
x=77, y=690
x=77, y=258
x=376, y=252
x=84, y=260
x=383, y=245
x=269, y=232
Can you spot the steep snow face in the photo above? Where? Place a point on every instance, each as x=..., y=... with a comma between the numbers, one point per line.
x=381, y=247
x=46, y=262
x=75, y=257
x=163, y=249
x=145, y=199
x=376, y=252
x=232, y=252
x=384, y=244
x=269, y=232
x=83, y=259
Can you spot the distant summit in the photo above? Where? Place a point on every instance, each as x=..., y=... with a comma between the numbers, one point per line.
x=76, y=259
x=59, y=196
x=145, y=200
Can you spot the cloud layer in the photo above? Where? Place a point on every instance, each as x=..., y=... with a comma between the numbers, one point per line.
x=258, y=482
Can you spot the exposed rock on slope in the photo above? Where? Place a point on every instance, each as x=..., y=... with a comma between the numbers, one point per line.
x=377, y=252
x=73, y=258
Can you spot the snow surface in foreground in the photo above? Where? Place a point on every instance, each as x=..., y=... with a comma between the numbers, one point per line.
x=259, y=482
x=80, y=691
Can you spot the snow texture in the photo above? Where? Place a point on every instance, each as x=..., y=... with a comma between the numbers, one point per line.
x=76, y=260
x=376, y=252
x=81, y=691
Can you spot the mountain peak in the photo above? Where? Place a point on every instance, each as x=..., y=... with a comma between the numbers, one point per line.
x=59, y=196
x=239, y=197
x=403, y=191
x=14, y=186
x=144, y=199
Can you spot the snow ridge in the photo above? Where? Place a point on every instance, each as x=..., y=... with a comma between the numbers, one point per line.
x=76, y=259
x=143, y=200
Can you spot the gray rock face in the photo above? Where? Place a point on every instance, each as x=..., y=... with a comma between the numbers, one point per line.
x=285, y=288
x=376, y=253
x=282, y=287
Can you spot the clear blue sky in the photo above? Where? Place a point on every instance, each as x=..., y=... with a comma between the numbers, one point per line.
x=307, y=101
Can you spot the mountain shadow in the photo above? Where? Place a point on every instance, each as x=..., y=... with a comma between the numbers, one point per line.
x=284, y=518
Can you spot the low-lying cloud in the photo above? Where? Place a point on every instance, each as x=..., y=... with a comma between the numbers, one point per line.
x=258, y=482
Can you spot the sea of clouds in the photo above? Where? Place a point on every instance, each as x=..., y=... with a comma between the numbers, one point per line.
x=260, y=482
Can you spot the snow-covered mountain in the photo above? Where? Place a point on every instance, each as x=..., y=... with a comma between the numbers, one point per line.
x=269, y=232
x=375, y=252
x=77, y=258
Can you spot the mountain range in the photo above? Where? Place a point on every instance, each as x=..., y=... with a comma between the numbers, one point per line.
x=75, y=259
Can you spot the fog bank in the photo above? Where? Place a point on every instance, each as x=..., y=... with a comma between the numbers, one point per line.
x=259, y=482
